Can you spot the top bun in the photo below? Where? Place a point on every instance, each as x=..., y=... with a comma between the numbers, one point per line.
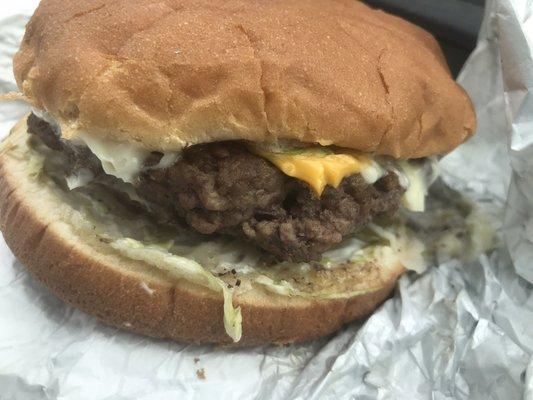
x=178, y=72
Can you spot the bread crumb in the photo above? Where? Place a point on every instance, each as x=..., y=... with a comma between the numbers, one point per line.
x=200, y=374
x=196, y=359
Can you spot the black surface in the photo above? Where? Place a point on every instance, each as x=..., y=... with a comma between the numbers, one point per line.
x=455, y=23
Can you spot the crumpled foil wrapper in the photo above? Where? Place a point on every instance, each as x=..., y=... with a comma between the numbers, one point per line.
x=459, y=331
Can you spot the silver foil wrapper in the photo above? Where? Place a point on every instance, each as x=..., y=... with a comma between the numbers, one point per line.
x=462, y=330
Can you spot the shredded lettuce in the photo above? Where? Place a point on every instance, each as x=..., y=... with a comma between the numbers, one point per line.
x=184, y=268
x=35, y=165
x=7, y=145
x=284, y=288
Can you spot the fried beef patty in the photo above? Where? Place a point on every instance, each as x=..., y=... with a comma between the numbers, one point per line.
x=223, y=188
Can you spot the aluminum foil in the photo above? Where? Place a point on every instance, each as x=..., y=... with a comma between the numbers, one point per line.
x=460, y=331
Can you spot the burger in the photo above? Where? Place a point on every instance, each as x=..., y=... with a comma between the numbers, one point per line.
x=232, y=172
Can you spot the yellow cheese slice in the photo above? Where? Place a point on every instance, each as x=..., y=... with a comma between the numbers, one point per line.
x=318, y=167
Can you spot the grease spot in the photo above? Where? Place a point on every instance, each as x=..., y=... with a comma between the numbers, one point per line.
x=200, y=374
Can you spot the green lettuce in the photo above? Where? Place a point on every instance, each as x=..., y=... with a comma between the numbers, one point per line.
x=184, y=268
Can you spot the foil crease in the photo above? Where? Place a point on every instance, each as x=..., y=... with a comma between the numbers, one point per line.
x=459, y=331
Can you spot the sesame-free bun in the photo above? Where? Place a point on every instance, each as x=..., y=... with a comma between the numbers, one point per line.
x=170, y=73
x=58, y=245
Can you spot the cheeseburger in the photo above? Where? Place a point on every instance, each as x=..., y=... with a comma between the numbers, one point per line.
x=224, y=172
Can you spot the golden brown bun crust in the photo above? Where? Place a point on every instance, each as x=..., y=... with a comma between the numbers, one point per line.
x=173, y=72
x=87, y=274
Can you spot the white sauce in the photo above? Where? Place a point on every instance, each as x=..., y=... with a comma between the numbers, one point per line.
x=372, y=173
x=120, y=159
x=167, y=160
x=44, y=115
x=125, y=161
x=79, y=178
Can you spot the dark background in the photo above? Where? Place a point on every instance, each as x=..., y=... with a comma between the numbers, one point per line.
x=455, y=23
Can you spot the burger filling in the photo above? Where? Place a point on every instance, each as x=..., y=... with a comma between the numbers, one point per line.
x=232, y=188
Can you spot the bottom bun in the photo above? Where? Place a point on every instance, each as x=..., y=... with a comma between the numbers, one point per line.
x=55, y=244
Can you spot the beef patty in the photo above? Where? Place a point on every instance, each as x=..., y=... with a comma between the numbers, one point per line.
x=223, y=188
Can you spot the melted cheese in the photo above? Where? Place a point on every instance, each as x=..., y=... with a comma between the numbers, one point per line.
x=319, y=167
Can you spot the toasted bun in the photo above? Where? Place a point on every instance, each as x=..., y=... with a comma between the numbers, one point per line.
x=46, y=235
x=177, y=72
